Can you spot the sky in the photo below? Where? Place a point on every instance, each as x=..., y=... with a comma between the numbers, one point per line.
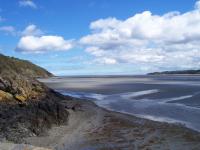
x=102, y=37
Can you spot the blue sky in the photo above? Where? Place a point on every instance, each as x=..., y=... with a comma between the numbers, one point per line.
x=87, y=37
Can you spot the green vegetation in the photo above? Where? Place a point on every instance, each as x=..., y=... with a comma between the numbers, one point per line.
x=13, y=65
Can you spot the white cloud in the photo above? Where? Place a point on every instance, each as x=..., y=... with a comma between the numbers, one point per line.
x=8, y=29
x=105, y=60
x=32, y=30
x=197, y=5
x=33, y=40
x=152, y=41
x=27, y=3
x=33, y=44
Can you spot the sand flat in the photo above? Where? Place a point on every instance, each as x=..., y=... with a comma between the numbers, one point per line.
x=93, y=128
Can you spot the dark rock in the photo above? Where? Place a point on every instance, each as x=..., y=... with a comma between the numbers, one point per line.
x=27, y=107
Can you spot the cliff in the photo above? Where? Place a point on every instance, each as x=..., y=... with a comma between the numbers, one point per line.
x=27, y=107
x=17, y=80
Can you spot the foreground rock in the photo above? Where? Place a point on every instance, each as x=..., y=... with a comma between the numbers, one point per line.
x=27, y=107
x=17, y=80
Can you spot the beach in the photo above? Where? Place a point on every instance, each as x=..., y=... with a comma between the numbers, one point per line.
x=167, y=98
x=93, y=128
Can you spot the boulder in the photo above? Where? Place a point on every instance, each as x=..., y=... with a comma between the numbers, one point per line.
x=5, y=96
x=20, y=98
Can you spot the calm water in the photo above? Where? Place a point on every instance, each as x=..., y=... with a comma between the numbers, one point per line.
x=173, y=99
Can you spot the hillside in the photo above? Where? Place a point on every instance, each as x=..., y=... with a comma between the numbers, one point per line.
x=17, y=79
x=23, y=67
x=27, y=107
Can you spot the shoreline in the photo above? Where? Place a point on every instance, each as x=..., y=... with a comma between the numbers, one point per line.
x=176, y=100
x=150, y=118
x=144, y=116
x=92, y=127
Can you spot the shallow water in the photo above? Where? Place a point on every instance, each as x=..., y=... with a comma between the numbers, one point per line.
x=162, y=98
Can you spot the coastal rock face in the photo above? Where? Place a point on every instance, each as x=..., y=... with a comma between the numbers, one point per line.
x=27, y=107
x=5, y=96
x=17, y=77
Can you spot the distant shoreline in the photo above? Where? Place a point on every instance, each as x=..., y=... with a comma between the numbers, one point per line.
x=119, y=76
x=177, y=72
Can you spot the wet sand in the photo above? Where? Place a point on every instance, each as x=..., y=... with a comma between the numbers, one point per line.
x=168, y=98
x=93, y=128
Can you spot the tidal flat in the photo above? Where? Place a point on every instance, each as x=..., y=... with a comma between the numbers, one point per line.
x=140, y=112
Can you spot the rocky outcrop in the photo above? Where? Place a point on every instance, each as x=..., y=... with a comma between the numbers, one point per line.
x=27, y=107
x=21, y=87
x=32, y=118
x=17, y=77
x=5, y=96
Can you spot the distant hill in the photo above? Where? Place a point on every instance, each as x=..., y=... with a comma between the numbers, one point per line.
x=176, y=72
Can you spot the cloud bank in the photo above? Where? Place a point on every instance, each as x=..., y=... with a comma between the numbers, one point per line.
x=145, y=40
x=153, y=41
